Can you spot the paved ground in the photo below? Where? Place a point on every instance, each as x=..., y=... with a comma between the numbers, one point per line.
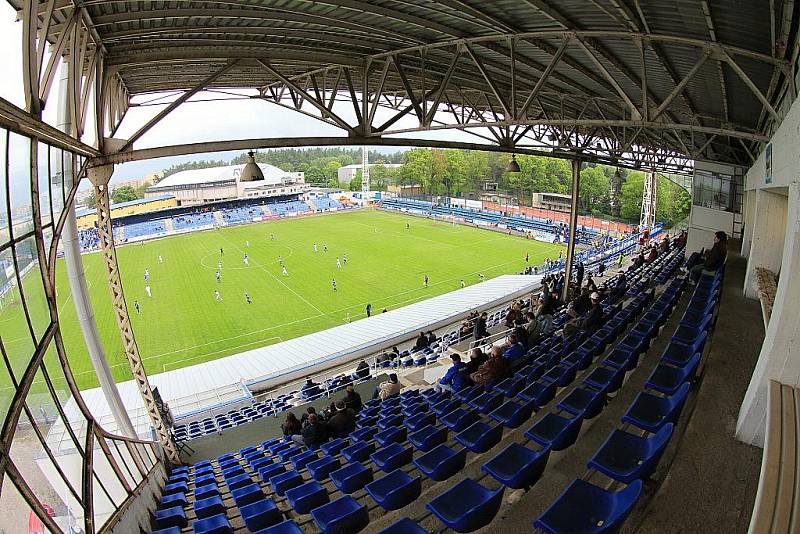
x=712, y=482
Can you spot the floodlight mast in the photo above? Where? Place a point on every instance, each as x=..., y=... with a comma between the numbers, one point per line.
x=649, y=196
x=364, y=169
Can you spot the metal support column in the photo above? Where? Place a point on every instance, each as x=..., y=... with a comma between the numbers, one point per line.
x=573, y=225
x=77, y=277
x=649, y=198
x=100, y=177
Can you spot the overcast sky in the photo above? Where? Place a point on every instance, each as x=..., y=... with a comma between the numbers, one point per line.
x=193, y=121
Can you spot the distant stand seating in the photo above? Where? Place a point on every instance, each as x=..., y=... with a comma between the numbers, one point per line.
x=194, y=220
x=327, y=203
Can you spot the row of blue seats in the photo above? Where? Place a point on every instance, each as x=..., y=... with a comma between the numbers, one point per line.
x=194, y=220
x=389, y=457
x=629, y=458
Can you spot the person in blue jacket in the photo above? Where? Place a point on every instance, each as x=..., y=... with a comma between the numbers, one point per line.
x=456, y=377
x=514, y=351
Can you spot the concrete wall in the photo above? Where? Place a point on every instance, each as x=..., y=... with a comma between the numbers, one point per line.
x=775, y=243
x=769, y=230
x=749, y=219
x=703, y=223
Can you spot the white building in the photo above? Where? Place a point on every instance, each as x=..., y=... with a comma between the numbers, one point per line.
x=348, y=172
x=200, y=186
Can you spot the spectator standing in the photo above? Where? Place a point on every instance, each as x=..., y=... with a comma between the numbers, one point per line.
x=480, y=331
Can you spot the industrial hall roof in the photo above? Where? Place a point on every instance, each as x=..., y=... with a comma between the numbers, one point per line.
x=647, y=82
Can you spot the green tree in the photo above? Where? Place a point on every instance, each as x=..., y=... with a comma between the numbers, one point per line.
x=355, y=183
x=594, y=191
x=123, y=193
x=91, y=200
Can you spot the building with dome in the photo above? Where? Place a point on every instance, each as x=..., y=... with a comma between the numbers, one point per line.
x=201, y=186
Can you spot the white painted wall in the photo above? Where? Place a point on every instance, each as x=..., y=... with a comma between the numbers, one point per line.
x=780, y=353
x=749, y=220
x=703, y=222
x=769, y=230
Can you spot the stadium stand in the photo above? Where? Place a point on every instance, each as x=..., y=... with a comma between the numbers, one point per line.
x=193, y=222
x=411, y=447
x=282, y=208
x=327, y=203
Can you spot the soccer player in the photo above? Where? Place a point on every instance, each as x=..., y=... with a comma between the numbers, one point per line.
x=462, y=283
x=146, y=275
x=324, y=247
x=219, y=265
x=221, y=252
x=247, y=297
x=344, y=258
x=280, y=260
x=147, y=290
x=338, y=263
x=160, y=259
x=315, y=248
x=219, y=277
x=333, y=283
x=217, y=296
x=272, y=237
x=285, y=272
x=138, y=308
x=246, y=259
x=425, y=281
x=481, y=277
x=527, y=258
x=369, y=309
x=408, y=226
x=247, y=244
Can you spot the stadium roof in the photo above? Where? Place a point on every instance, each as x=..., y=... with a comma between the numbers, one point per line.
x=642, y=83
x=228, y=173
x=92, y=211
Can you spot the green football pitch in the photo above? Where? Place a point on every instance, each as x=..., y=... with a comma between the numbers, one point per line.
x=183, y=324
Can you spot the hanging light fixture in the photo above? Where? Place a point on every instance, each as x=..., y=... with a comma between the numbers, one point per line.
x=251, y=172
x=513, y=166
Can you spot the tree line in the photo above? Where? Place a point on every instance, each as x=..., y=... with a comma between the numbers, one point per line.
x=455, y=172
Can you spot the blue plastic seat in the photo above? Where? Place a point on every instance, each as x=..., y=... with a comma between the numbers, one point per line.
x=278, y=447
x=216, y=524
x=391, y=457
x=333, y=447
x=540, y=393
x=517, y=466
x=391, y=435
x=365, y=421
x=306, y=497
x=168, y=530
x=321, y=469
x=604, y=378
x=177, y=487
x=258, y=463
x=650, y=412
x=626, y=457
x=209, y=507
x=428, y=437
x=480, y=437
x=445, y=407
x=388, y=422
x=487, y=402
x=269, y=471
x=469, y=393
x=404, y=526
x=232, y=470
x=247, y=494
x=342, y=516
x=358, y=452
x=285, y=481
x=555, y=431
x=512, y=414
x=582, y=402
x=459, y=419
x=395, y=490
x=561, y=375
x=286, y=454
x=171, y=517
x=415, y=422
x=363, y=434
x=260, y=514
x=205, y=491
x=583, y=507
x=351, y=477
x=511, y=386
x=238, y=481
x=668, y=379
x=679, y=353
x=467, y=506
x=442, y=462
x=174, y=499
x=301, y=460
x=622, y=358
